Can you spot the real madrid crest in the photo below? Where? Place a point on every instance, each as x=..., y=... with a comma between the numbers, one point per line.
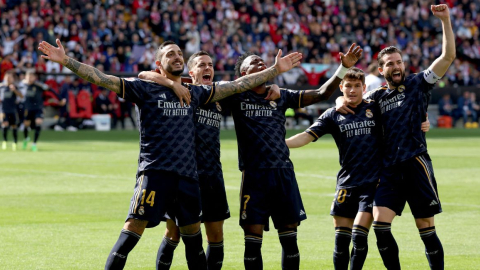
x=244, y=215
x=369, y=113
x=273, y=104
x=141, y=210
x=401, y=88
x=219, y=108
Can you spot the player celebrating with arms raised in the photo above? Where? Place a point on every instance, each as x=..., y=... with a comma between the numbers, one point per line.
x=408, y=174
x=166, y=179
x=359, y=140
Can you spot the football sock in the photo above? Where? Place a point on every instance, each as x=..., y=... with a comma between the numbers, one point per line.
x=215, y=255
x=290, y=253
x=118, y=256
x=360, y=247
x=194, y=251
x=5, y=132
x=15, y=135
x=387, y=246
x=38, y=128
x=165, y=253
x=25, y=133
x=252, y=258
x=341, y=255
x=433, y=247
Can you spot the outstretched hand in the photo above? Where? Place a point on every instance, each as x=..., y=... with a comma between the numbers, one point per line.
x=351, y=57
x=55, y=54
x=440, y=11
x=284, y=64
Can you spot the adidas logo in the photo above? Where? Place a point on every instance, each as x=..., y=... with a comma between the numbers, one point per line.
x=340, y=118
x=163, y=96
x=433, y=203
x=302, y=212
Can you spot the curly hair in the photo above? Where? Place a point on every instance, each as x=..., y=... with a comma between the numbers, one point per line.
x=238, y=64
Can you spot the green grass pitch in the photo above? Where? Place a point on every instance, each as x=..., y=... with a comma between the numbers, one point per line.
x=64, y=206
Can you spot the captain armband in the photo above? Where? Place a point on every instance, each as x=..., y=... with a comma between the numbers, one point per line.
x=341, y=71
x=430, y=76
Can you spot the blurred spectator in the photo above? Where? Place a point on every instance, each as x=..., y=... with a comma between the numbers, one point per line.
x=445, y=106
x=103, y=105
x=372, y=81
x=465, y=107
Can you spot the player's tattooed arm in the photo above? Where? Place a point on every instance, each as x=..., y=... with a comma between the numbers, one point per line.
x=93, y=75
x=299, y=140
x=248, y=82
x=89, y=73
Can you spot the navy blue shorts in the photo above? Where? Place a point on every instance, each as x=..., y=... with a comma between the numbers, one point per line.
x=410, y=181
x=31, y=115
x=348, y=202
x=158, y=192
x=11, y=118
x=270, y=192
x=214, y=197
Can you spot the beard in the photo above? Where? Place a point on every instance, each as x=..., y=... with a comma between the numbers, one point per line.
x=170, y=70
x=389, y=79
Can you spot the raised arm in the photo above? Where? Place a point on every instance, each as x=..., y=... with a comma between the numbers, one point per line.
x=86, y=72
x=182, y=93
x=441, y=64
x=242, y=84
x=326, y=90
x=299, y=140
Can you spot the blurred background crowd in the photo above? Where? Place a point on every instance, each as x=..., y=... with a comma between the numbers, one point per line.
x=122, y=35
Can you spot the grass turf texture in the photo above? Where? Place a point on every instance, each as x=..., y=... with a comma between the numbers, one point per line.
x=64, y=206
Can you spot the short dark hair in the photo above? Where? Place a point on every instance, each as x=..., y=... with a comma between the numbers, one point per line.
x=238, y=64
x=388, y=50
x=158, y=54
x=354, y=73
x=191, y=62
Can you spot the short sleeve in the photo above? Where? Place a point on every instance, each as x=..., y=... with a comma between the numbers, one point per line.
x=322, y=126
x=293, y=99
x=203, y=93
x=131, y=89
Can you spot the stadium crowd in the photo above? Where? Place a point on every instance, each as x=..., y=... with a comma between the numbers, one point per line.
x=122, y=35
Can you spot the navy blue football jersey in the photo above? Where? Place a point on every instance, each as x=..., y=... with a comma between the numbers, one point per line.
x=167, y=130
x=34, y=96
x=260, y=128
x=359, y=140
x=9, y=99
x=207, y=138
x=403, y=110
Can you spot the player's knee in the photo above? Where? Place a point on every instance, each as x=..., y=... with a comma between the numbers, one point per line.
x=214, y=231
x=190, y=229
x=255, y=229
x=424, y=222
x=135, y=225
x=173, y=235
x=38, y=121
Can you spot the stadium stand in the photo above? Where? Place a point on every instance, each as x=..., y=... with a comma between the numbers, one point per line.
x=120, y=36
